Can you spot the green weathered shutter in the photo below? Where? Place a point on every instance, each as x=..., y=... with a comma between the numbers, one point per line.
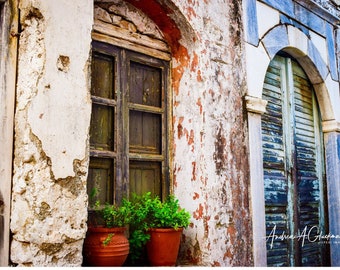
x=293, y=167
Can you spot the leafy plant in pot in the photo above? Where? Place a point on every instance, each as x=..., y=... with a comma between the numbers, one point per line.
x=158, y=226
x=106, y=243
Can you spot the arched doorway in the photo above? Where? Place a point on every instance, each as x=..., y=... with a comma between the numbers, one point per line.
x=293, y=168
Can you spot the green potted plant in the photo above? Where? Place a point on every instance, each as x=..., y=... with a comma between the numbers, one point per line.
x=158, y=226
x=106, y=243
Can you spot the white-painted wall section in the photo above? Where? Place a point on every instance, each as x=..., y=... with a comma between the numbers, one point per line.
x=49, y=201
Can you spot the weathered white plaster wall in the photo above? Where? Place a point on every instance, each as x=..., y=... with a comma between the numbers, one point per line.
x=8, y=58
x=49, y=201
x=210, y=149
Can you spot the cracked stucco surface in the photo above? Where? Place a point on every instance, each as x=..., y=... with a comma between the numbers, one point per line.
x=49, y=201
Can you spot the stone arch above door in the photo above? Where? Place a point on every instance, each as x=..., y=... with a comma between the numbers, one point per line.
x=295, y=42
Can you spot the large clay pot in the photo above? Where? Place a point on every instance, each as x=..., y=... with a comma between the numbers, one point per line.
x=163, y=246
x=113, y=253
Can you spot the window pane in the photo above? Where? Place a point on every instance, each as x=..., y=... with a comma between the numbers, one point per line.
x=101, y=177
x=144, y=177
x=102, y=128
x=145, y=85
x=102, y=76
x=145, y=132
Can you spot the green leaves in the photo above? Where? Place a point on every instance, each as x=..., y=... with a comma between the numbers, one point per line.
x=141, y=213
x=108, y=239
x=114, y=215
x=168, y=214
x=150, y=212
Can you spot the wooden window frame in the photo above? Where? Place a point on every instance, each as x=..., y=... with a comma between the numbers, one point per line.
x=122, y=107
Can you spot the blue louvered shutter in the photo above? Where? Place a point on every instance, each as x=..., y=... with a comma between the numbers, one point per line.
x=274, y=163
x=293, y=167
x=310, y=173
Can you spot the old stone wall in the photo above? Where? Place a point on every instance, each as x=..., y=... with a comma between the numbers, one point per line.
x=49, y=201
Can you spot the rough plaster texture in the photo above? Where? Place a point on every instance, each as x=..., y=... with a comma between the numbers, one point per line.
x=49, y=201
x=209, y=155
x=210, y=149
x=8, y=66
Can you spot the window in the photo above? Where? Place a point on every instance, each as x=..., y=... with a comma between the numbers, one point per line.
x=293, y=160
x=128, y=133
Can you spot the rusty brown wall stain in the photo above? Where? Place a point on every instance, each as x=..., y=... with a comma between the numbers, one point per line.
x=180, y=127
x=193, y=177
x=160, y=15
x=199, y=212
x=231, y=156
x=194, y=63
x=220, y=148
x=199, y=104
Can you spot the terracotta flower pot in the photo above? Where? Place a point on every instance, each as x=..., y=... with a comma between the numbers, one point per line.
x=163, y=246
x=113, y=253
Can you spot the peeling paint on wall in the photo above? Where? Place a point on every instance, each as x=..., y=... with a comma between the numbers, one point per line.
x=49, y=201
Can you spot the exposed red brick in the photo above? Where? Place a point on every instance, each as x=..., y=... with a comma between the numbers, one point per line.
x=191, y=12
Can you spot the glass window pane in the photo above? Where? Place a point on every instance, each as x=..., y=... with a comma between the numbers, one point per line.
x=102, y=128
x=101, y=177
x=145, y=132
x=145, y=176
x=102, y=76
x=145, y=85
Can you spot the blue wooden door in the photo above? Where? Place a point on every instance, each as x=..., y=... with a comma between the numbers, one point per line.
x=293, y=168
